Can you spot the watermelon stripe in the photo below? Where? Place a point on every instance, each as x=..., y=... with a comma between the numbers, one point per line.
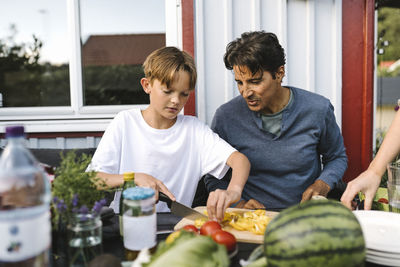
x=314, y=217
x=334, y=232
x=308, y=254
x=315, y=233
x=314, y=205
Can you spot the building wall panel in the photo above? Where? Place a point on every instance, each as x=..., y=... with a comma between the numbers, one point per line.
x=308, y=30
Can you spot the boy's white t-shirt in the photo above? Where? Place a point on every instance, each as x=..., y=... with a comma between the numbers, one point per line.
x=178, y=156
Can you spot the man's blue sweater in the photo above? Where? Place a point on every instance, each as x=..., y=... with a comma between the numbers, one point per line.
x=310, y=147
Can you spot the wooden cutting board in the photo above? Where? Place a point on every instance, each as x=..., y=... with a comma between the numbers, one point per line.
x=241, y=236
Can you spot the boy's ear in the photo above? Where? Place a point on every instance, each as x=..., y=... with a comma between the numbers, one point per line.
x=146, y=85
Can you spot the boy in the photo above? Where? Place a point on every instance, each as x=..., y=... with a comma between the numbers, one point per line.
x=167, y=151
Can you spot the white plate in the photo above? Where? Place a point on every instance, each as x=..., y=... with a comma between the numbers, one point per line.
x=126, y=264
x=377, y=253
x=383, y=261
x=381, y=229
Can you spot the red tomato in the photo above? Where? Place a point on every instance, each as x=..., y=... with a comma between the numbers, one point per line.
x=209, y=227
x=383, y=200
x=191, y=228
x=225, y=238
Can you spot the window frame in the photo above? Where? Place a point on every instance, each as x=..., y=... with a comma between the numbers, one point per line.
x=77, y=117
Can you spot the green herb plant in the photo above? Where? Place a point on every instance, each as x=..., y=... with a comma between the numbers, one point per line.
x=74, y=190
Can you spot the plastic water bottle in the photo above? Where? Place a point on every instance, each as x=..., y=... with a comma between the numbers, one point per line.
x=25, y=229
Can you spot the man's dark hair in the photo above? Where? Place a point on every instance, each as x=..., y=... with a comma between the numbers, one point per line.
x=259, y=51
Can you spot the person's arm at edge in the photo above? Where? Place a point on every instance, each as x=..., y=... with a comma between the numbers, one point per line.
x=219, y=200
x=368, y=181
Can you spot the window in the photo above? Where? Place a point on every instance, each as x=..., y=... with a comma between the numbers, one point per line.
x=34, y=68
x=72, y=65
x=117, y=37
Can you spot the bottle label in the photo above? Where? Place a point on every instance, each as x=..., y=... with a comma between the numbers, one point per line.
x=24, y=238
x=139, y=232
x=115, y=203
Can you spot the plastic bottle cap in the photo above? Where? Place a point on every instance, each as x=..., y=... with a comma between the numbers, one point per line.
x=138, y=193
x=15, y=131
x=129, y=176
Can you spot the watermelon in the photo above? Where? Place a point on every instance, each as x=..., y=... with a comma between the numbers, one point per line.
x=315, y=233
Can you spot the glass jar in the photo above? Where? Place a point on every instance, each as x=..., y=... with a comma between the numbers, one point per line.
x=139, y=221
x=84, y=239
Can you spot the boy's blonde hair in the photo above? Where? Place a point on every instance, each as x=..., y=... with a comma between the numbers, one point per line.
x=163, y=64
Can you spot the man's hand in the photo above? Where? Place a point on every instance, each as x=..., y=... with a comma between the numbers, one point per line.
x=145, y=180
x=218, y=201
x=319, y=187
x=252, y=204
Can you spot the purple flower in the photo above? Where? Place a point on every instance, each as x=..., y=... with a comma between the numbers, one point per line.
x=396, y=108
x=98, y=205
x=55, y=199
x=75, y=200
x=84, y=209
x=61, y=206
x=103, y=201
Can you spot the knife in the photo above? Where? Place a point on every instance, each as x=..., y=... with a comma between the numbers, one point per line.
x=180, y=209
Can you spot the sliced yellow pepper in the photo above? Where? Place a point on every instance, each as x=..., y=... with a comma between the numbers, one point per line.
x=253, y=221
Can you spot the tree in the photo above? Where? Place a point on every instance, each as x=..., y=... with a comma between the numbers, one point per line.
x=389, y=30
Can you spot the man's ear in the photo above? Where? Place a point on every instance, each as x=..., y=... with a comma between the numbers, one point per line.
x=280, y=73
x=146, y=85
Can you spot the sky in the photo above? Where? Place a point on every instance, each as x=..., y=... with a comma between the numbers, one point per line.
x=47, y=19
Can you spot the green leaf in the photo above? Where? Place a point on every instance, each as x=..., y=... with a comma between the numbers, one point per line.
x=71, y=178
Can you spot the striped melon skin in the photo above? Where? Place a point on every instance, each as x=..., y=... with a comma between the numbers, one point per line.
x=315, y=233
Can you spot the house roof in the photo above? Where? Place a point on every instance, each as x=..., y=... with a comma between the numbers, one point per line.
x=394, y=66
x=129, y=49
x=386, y=64
x=388, y=91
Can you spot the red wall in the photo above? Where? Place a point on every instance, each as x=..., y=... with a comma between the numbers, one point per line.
x=188, y=46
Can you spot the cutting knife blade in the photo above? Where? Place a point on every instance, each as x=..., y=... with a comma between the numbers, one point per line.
x=180, y=209
x=186, y=212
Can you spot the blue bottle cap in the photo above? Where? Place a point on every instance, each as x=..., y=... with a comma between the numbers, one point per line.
x=138, y=193
x=15, y=131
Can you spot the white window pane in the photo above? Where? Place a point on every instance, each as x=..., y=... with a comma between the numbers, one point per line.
x=117, y=36
x=34, y=53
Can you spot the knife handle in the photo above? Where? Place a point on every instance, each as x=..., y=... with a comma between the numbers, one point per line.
x=164, y=198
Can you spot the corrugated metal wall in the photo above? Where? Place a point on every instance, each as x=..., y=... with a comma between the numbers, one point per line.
x=309, y=30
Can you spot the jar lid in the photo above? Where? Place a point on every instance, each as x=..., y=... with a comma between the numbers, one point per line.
x=14, y=131
x=129, y=176
x=138, y=193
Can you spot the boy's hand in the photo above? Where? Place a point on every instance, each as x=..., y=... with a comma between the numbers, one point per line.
x=218, y=201
x=145, y=180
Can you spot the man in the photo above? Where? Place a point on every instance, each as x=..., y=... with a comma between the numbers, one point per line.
x=289, y=135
